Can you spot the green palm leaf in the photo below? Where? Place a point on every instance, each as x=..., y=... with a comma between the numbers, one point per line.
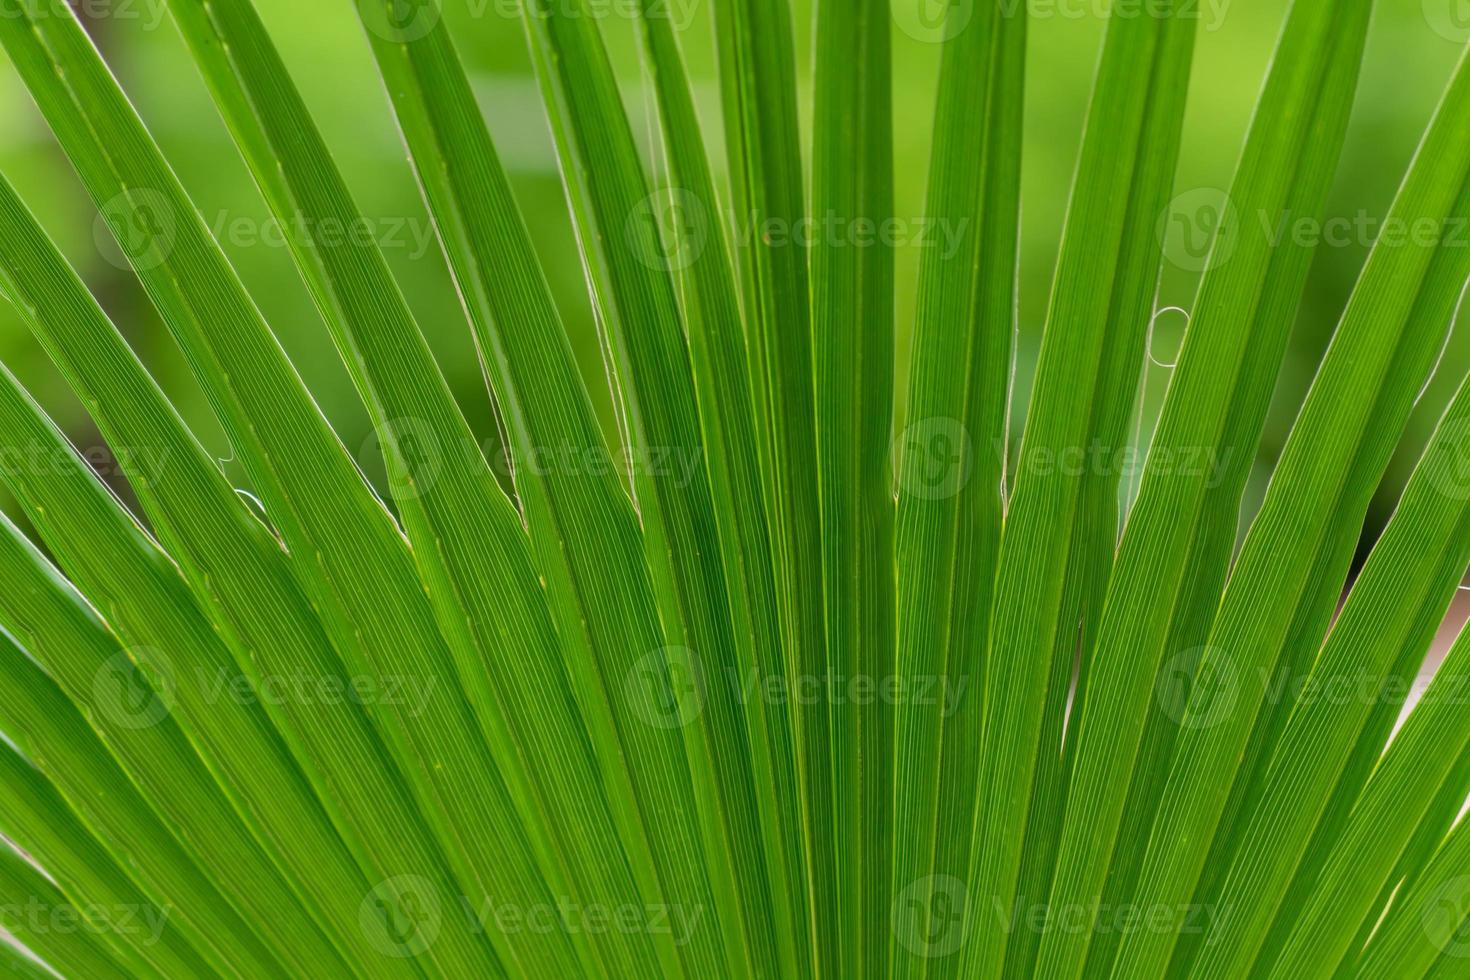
x=812, y=674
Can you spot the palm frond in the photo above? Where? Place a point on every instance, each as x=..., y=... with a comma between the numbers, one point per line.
x=807, y=674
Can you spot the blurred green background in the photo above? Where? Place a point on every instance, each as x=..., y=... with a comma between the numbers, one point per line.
x=1413, y=46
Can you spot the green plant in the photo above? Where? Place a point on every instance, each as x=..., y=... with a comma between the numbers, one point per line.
x=774, y=687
